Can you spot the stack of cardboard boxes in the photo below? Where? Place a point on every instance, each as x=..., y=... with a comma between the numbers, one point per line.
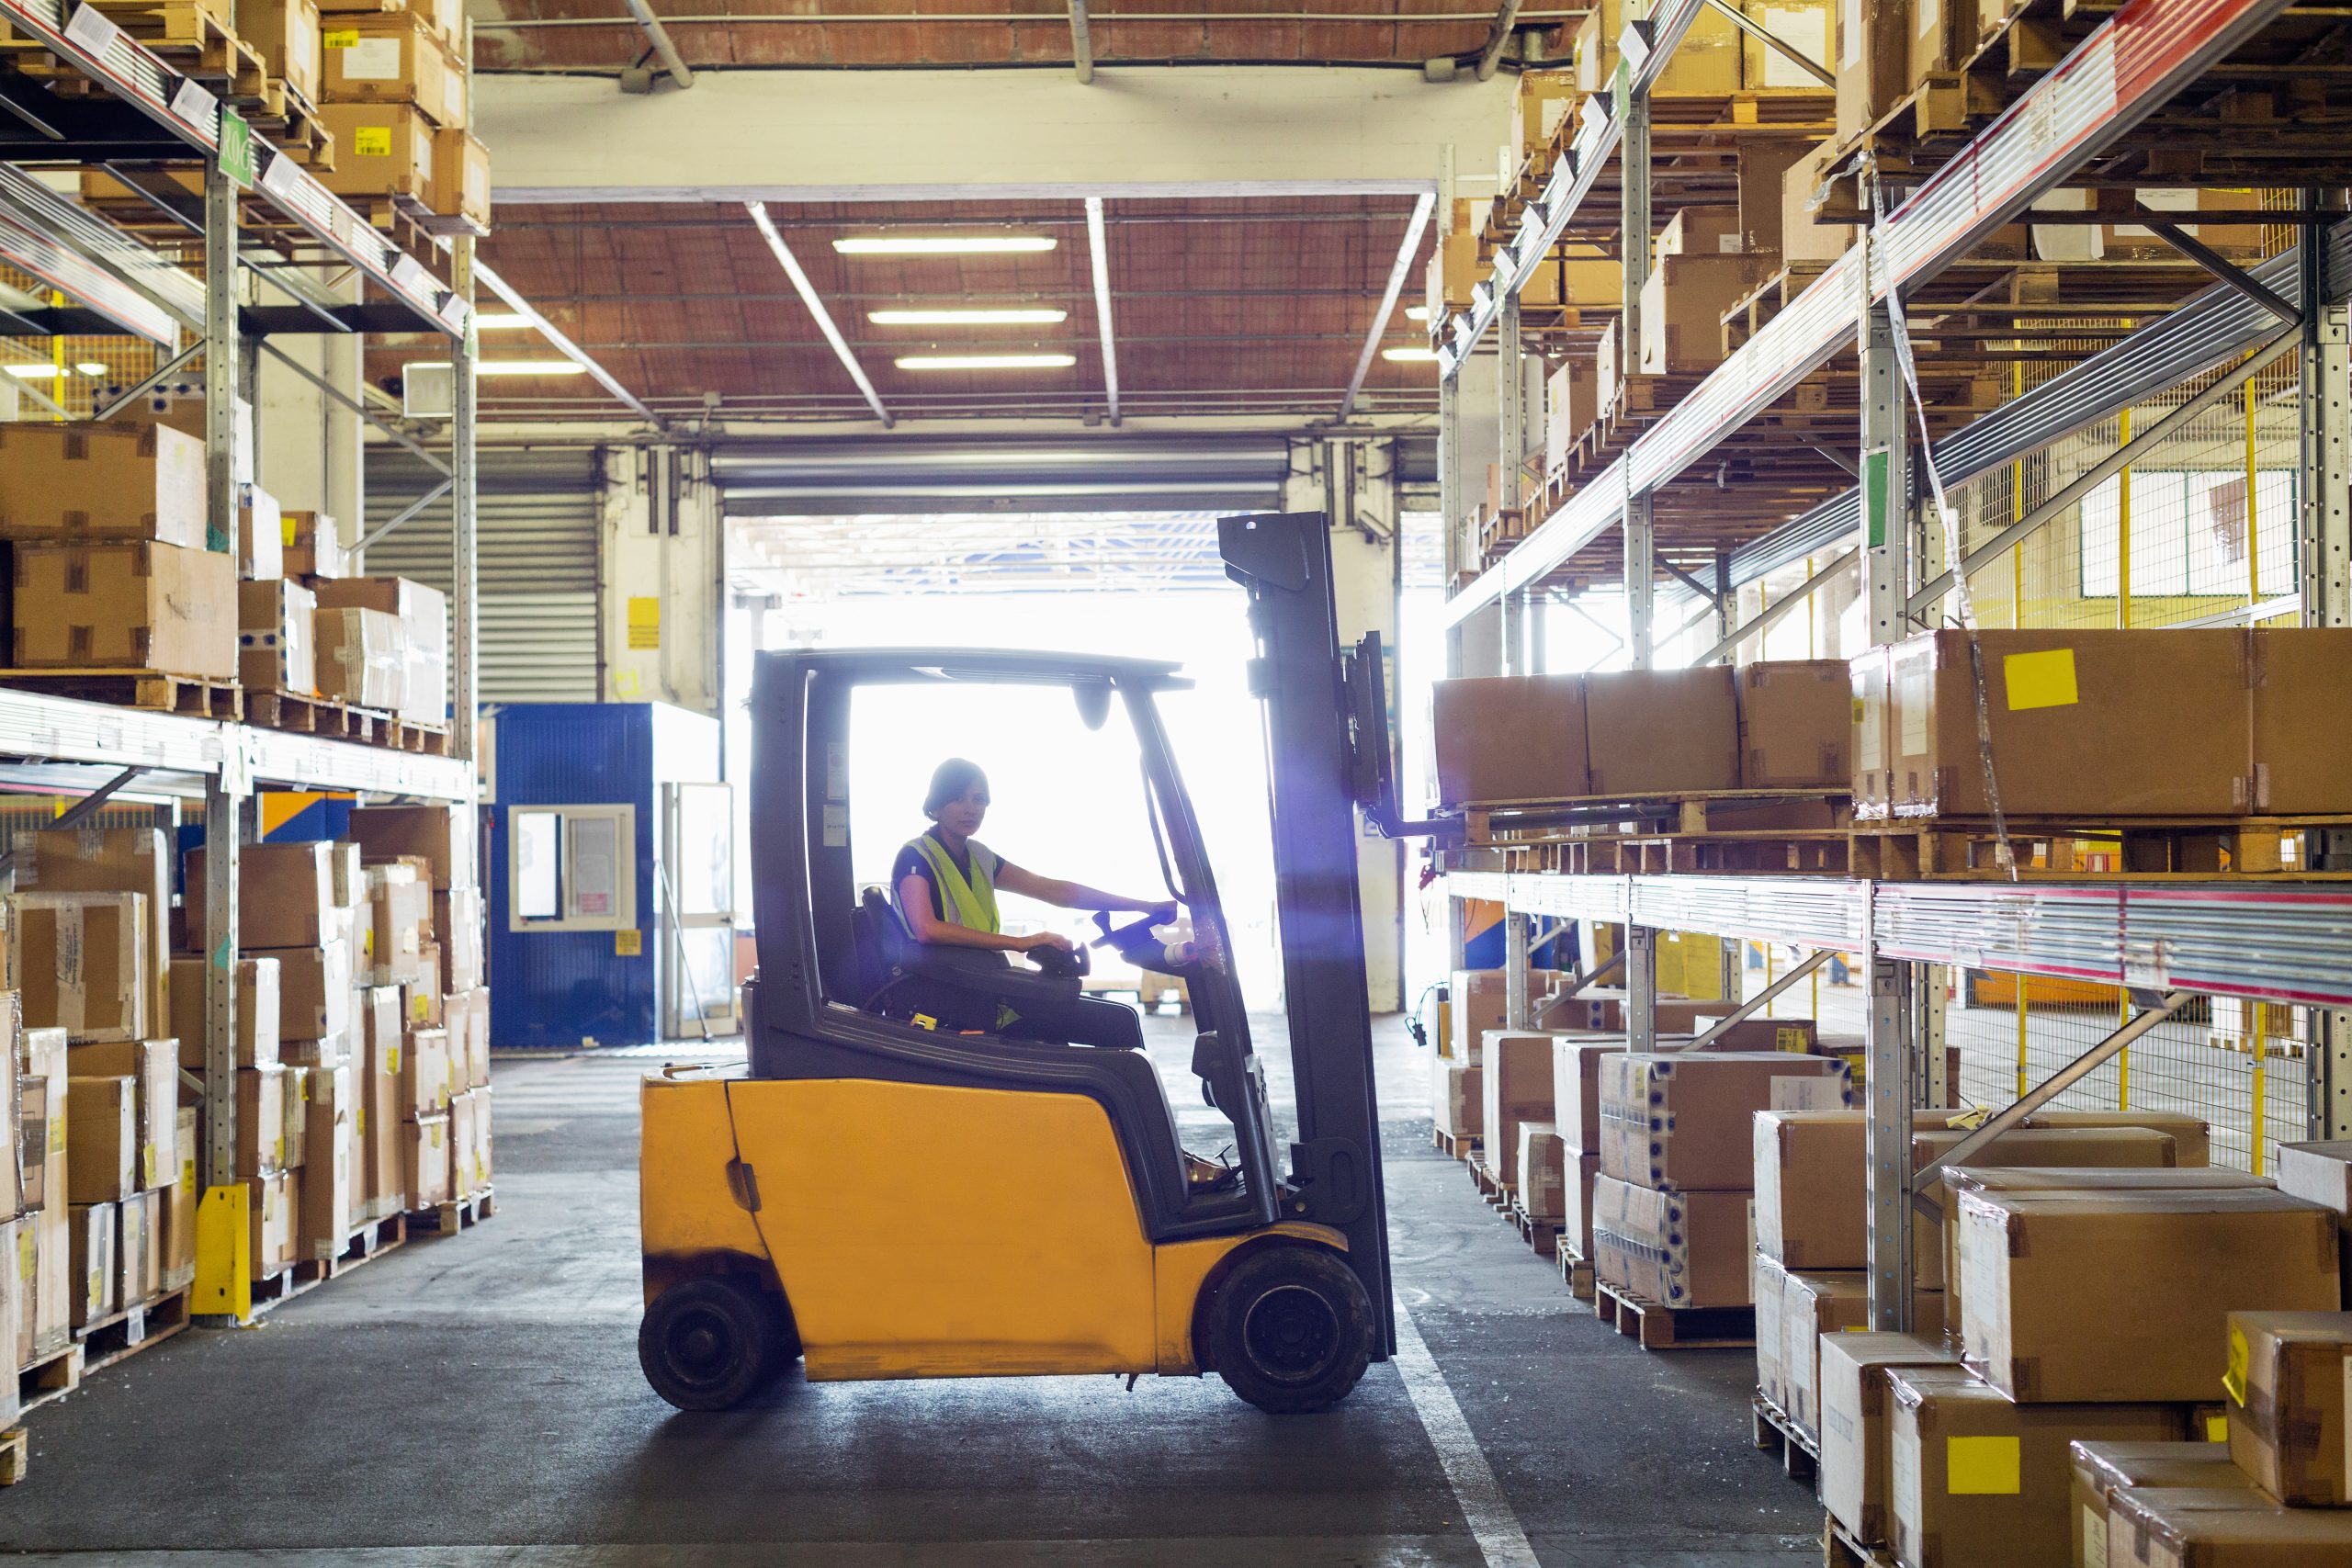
x=396, y=86
x=372, y=642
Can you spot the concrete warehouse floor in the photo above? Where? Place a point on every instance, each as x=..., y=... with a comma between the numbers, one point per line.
x=477, y=1400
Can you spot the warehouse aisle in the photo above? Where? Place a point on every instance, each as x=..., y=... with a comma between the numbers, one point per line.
x=477, y=1400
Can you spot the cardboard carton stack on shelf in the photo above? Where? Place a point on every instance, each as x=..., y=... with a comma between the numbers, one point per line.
x=396, y=89
x=382, y=643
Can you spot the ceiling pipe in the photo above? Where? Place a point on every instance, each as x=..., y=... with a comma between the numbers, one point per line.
x=1497, y=38
x=1082, y=41
x=659, y=37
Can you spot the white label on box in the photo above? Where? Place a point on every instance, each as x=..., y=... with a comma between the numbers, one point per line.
x=194, y=105
x=1849, y=34
x=1930, y=15
x=93, y=31
x=1813, y=1092
x=1911, y=701
x=836, y=826
x=371, y=60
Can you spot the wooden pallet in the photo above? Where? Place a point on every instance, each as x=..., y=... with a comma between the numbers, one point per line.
x=1543, y=1235
x=1510, y=822
x=1482, y=1176
x=457, y=1214
x=149, y=689
x=1576, y=1271
x=278, y=1288
x=201, y=44
x=301, y=715
x=429, y=740
x=15, y=1456
x=1462, y=1147
x=126, y=1333
x=52, y=1376
x=1673, y=1328
x=366, y=1243
x=1772, y=1431
x=2201, y=848
x=1840, y=1549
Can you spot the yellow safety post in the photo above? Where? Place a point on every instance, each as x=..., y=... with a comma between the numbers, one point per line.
x=2122, y=1057
x=2017, y=615
x=2023, y=1066
x=2253, y=551
x=224, y=1271
x=2257, y=1136
x=2123, y=528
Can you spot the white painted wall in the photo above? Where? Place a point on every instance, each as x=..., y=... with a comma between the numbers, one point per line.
x=849, y=135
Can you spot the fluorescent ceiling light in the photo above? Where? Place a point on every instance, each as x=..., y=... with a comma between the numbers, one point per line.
x=508, y=367
x=501, y=320
x=91, y=368
x=31, y=372
x=1417, y=313
x=1408, y=356
x=985, y=361
x=942, y=244
x=966, y=316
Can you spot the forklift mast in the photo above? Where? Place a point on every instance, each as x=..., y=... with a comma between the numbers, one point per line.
x=1327, y=754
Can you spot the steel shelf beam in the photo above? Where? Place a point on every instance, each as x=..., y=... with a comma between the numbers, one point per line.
x=2116, y=77
x=2286, y=944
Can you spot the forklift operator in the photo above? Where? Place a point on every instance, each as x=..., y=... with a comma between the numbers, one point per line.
x=947, y=882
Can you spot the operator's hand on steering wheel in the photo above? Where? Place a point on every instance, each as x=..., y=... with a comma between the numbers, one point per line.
x=1163, y=913
x=1050, y=940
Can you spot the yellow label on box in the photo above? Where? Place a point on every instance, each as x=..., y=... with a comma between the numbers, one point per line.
x=359, y=1120
x=340, y=38
x=393, y=1058
x=1982, y=1466
x=286, y=526
x=2217, y=1429
x=2040, y=679
x=187, y=1172
x=629, y=944
x=372, y=141
x=2234, y=1378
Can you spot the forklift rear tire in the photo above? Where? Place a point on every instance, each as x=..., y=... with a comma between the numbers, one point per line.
x=1290, y=1329
x=708, y=1344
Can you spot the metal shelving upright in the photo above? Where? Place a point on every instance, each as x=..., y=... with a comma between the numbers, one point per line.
x=2161, y=940
x=153, y=113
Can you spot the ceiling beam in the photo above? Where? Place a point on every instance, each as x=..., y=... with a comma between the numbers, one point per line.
x=808, y=291
x=1399, y=272
x=560, y=343
x=1098, y=257
x=1082, y=41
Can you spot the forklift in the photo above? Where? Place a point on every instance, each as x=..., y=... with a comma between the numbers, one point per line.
x=880, y=1191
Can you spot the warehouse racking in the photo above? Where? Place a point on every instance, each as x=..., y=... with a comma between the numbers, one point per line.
x=2162, y=942
x=260, y=211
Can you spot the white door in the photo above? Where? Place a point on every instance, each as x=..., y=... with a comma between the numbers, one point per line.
x=695, y=903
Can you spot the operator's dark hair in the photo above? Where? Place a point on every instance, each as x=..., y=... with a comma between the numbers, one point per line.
x=949, y=782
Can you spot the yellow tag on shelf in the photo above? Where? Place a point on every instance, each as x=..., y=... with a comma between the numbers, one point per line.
x=2040, y=679
x=1981, y=1466
x=2234, y=1379
x=372, y=141
x=629, y=943
x=340, y=38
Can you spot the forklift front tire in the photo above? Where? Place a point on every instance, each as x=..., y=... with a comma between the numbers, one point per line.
x=1290, y=1329
x=710, y=1342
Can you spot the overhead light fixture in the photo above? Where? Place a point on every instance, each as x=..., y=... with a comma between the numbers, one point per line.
x=942, y=244
x=1417, y=313
x=508, y=367
x=31, y=372
x=1406, y=356
x=92, y=367
x=966, y=316
x=985, y=361
x=501, y=320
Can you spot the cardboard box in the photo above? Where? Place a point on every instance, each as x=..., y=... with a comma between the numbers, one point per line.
x=257, y=1010
x=1502, y=737
x=1943, y=33
x=2124, y=1295
x=1683, y=304
x=285, y=897
x=19, y=1122
x=468, y=1173
x=2192, y=1139
x=270, y=1216
x=1659, y=731
x=1570, y=403
x=1795, y=723
x=1818, y=1307
x=1540, y=1177
x=154, y=1068
x=82, y=962
x=110, y=860
x=1767, y=1282
x=126, y=607
x=394, y=57
x=276, y=650
x=1804, y=25
x=1873, y=65
x=1516, y=1085
x=91, y=483
x=260, y=535
x=47, y=1245
x=400, y=921
x=179, y=1210
x=315, y=987
x=312, y=546
x=12, y=1312
x=1977, y=1482
x=484, y=1167
x=30, y=1137
x=331, y=1188
x=139, y=1268
x=426, y=993
x=2101, y=1469
x=24, y=1265
x=97, y=1278
x=468, y=1016
x=443, y=837
x=425, y=1085
x=1476, y=1002
x=1804, y=237
x=1576, y=1215
x=1684, y=1122
x=2287, y=1378
x=424, y=616
x=261, y=1120
x=101, y=1139
x=426, y=1151
x=2301, y=677
x=1855, y=1406
x=297, y=1133
x=1707, y=61
x=362, y=658
x=2226, y=1528
x=1575, y=1086
x=460, y=179
x=287, y=33
x=1680, y=1249
x=1600, y=1010
x=1812, y=1209
x=2062, y=743
x=1701, y=231
x=381, y=1042
x=2322, y=1173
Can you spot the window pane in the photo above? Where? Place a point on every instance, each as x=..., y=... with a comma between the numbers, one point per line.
x=595, y=862
x=2101, y=557
x=534, y=889
x=2159, y=546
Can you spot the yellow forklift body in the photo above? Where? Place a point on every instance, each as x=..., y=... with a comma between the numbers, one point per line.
x=924, y=1231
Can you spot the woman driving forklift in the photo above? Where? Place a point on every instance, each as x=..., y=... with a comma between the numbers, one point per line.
x=946, y=883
